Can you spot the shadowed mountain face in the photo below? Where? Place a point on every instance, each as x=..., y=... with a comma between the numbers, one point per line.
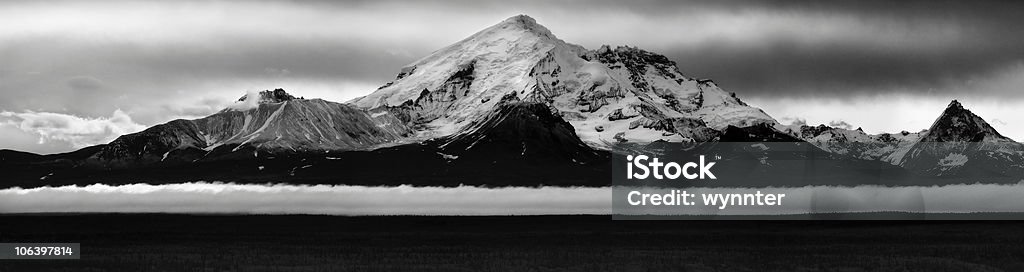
x=520, y=131
x=515, y=105
x=957, y=124
x=961, y=144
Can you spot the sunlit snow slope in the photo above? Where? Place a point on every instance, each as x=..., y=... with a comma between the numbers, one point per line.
x=608, y=95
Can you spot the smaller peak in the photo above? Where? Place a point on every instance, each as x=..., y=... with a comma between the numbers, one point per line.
x=629, y=49
x=955, y=105
x=957, y=124
x=521, y=19
x=955, y=108
x=527, y=23
x=267, y=96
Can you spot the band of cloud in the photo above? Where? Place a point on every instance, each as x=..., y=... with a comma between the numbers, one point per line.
x=78, y=131
x=469, y=200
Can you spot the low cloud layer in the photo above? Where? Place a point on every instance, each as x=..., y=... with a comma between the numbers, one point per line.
x=77, y=131
x=295, y=199
x=251, y=101
x=469, y=200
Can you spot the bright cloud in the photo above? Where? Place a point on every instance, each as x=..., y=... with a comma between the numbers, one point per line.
x=301, y=199
x=470, y=200
x=78, y=131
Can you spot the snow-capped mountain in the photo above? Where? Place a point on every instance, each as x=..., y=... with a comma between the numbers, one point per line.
x=608, y=95
x=886, y=147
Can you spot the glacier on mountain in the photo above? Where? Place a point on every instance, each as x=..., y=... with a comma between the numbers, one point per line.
x=608, y=95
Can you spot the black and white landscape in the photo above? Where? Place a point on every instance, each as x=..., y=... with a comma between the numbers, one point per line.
x=496, y=135
x=511, y=107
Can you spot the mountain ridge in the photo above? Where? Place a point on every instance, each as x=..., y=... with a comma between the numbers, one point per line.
x=279, y=122
x=958, y=144
x=509, y=105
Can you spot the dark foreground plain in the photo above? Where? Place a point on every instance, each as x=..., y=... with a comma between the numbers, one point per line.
x=159, y=242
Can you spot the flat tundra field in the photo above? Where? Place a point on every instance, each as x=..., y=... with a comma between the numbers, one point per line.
x=161, y=242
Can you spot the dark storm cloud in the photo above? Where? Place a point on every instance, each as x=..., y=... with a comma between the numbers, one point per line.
x=782, y=68
x=800, y=48
x=765, y=48
x=982, y=38
x=241, y=57
x=136, y=74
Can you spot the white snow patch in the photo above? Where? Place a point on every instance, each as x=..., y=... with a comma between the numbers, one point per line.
x=447, y=156
x=953, y=160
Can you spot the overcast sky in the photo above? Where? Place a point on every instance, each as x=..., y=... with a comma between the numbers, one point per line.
x=79, y=73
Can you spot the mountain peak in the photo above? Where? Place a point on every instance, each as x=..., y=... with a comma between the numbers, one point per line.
x=526, y=23
x=955, y=105
x=444, y=92
x=523, y=21
x=955, y=109
x=958, y=124
x=267, y=96
x=508, y=50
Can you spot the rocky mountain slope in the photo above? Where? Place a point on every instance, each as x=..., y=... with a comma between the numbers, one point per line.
x=276, y=122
